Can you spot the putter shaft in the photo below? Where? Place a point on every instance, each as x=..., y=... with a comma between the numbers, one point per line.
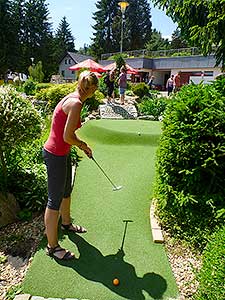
x=114, y=186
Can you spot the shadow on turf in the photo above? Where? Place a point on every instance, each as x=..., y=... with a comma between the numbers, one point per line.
x=92, y=265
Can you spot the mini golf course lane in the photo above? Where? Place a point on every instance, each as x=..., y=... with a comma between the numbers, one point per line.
x=112, y=248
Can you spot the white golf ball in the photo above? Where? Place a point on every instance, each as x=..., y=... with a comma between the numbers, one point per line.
x=139, y=133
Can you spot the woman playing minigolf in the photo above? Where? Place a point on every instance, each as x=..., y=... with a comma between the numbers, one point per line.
x=56, y=153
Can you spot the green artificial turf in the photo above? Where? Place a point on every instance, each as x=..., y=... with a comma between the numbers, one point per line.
x=141, y=266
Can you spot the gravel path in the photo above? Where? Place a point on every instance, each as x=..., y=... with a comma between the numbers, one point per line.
x=19, y=242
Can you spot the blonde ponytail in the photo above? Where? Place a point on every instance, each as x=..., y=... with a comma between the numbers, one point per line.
x=86, y=80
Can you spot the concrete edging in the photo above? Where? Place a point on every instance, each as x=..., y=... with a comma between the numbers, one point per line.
x=155, y=227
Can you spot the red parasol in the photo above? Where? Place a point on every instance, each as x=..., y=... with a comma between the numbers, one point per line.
x=88, y=64
x=112, y=66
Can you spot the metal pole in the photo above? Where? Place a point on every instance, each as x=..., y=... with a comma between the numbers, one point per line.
x=121, y=41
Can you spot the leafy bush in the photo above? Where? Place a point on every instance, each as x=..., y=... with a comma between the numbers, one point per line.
x=55, y=93
x=36, y=72
x=42, y=86
x=140, y=89
x=29, y=87
x=102, y=86
x=19, y=123
x=152, y=106
x=94, y=102
x=211, y=277
x=191, y=163
x=29, y=185
x=219, y=84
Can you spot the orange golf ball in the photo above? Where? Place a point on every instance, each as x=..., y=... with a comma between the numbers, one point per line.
x=116, y=281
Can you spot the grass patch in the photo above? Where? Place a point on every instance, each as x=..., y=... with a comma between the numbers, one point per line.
x=141, y=266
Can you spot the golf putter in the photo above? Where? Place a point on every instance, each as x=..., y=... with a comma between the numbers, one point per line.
x=115, y=188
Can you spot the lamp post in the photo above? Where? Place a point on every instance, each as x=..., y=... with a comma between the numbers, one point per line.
x=32, y=61
x=123, y=5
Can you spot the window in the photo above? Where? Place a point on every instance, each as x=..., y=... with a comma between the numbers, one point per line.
x=69, y=61
x=208, y=73
x=72, y=72
x=65, y=61
x=63, y=73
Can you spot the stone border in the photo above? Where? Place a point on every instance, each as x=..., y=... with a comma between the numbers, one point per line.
x=155, y=227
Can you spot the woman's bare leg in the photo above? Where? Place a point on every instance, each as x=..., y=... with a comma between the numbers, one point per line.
x=65, y=211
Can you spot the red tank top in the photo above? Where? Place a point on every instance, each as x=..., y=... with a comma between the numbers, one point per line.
x=55, y=143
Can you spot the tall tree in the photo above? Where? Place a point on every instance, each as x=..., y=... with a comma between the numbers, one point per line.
x=177, y=40
x=64, y=35
x=17, y=14
x=64, y=40
x=7, y=36
x=137, y=28
x=37, y=33
x=200, y=21
x=157, y=42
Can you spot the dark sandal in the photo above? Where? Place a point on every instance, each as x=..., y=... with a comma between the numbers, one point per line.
x=52, y=250
x=73, y=228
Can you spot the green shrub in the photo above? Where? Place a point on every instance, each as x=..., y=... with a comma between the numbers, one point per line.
x=211, y=277
x=102, y=86
x=219, y=84
x=55, y=93
x=152, y=106
x=191, y=163
x=94, y=102
x=19, y=124
x=140, y=89
x=29, y=186
x=29, y=87
x=42, y=86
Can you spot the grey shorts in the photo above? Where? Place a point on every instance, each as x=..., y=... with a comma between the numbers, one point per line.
x=59, y=170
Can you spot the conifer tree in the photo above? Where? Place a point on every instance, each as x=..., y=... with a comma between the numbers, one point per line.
x=64, y=35
x=37, y=33
x=137, y=27
x=157, y=42
x=7, y=36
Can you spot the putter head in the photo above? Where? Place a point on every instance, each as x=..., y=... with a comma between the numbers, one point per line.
x=117, y=188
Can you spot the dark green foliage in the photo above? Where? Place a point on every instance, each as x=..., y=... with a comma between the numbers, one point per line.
x=178, y=41
x=140, y=89
x=29, y=87
x=212, y=274
x=219, y=84
x=102, y=85
x=157, y=42
x=120, y=62
x=153, y=106
x=8, y=37
x=25, y=33
x=29, y=185
x=64, y=40
x=107, y=28
x=191, y=162
x=94, y=102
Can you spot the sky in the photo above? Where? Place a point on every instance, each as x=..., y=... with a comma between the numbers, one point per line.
x=79, y=15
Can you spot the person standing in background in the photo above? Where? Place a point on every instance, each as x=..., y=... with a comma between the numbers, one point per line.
x=109, y=81
x=177, y=82
x=122, y=82
x=170, y=84
x=150, y=82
